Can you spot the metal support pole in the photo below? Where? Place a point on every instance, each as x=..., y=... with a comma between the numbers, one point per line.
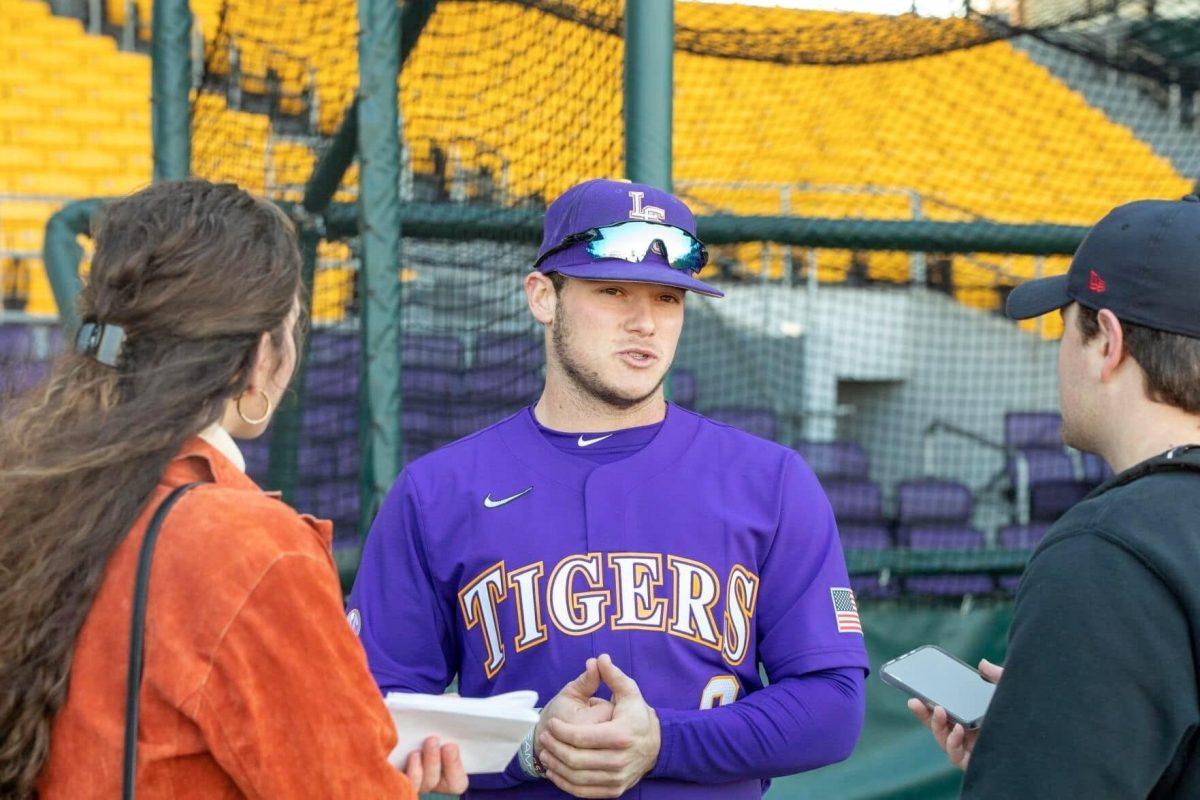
x=197, y=57
x=649, y=87
x=129, y=29
x=171, y=83
x=95, y=17
x=62, y=254
x=437, y=221
x=379, y=224
x=785, y=209
x=283, y=461
x=327, y=174
x=917, y=269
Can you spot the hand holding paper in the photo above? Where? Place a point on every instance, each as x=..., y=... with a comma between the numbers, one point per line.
x=436, y=767
x=487, y=730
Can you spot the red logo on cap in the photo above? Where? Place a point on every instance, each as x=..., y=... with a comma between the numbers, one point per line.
x=1096, y=283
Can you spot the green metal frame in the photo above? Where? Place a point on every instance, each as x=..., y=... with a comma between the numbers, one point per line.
x=171, y=84
x=328, y=173
x=379, y=234
x=649, y=90
x=283, y=455
x=434, y=221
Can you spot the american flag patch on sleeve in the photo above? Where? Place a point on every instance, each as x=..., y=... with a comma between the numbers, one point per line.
x=845, y=610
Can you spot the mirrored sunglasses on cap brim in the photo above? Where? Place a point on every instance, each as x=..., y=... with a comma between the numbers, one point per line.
x=631, y=241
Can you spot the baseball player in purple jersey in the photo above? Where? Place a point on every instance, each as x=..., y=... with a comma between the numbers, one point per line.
x=632, y=561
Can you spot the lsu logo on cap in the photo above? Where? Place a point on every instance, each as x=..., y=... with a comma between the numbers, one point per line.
x=355, y=620
x=646, y=213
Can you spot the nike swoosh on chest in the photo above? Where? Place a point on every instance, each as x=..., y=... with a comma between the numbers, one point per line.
x=488, y=502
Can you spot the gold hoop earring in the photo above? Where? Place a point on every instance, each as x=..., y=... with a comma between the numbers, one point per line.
x=260, y=420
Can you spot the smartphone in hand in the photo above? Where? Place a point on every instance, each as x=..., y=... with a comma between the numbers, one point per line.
x=937, y=678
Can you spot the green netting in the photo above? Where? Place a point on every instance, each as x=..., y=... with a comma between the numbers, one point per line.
x=860, y=176
x=874, y=186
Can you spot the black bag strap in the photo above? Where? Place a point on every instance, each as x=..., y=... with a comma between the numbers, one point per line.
x=1184, y=458
x=137, y=638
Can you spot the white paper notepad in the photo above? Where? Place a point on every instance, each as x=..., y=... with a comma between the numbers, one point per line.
x=487, y=730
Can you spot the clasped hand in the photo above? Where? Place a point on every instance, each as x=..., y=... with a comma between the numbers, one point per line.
x=593, y=747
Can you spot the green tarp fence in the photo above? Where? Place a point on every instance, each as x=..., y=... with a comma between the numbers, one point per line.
x=896, y=758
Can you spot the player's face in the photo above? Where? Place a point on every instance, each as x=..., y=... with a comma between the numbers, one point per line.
x=616, y=340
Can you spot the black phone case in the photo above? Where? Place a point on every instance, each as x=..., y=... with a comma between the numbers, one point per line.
x=891, y=680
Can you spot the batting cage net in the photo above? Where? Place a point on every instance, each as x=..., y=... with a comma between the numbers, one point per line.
x=873, y=346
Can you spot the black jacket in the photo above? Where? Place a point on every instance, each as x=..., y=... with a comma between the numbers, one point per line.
x=1099, y=697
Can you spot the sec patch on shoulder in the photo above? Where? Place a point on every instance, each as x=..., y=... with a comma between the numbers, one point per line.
x=845, y=611
x=355, y=620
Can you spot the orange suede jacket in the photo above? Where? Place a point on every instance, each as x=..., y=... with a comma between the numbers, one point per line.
x=254, y=684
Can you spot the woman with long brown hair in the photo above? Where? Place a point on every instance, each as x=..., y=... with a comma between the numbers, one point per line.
x=253, y=683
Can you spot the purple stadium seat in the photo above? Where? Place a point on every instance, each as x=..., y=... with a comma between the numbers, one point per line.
x=1046, y=478
x=1033, y=429
x=944, y=537
x=328, y=459
x=329, y=499
x=330, y=420
x=855, y=501
x=864, y=536
x=505, y=384
x=510, y=350
x=926, y=501
x=758, y=421
x=334, y=379
x=949, y=585
x=18, y=376
x=872, y=587
x=448, y=422
x=1021, y=537
x=23, y=363
x=835, y=460
x=683, y=388
x=1009, y=583
x=416, y=447
x=16, y=342
x=467, y=419
x=422, y=423
x=256, y=453
x=1049, y=500
x=1043, y=464
x=428, y=383
x=330, y=347
x=947, y=537
x=441, y=352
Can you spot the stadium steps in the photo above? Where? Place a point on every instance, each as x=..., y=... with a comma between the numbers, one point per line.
x=1120, y=98
x=74, y=122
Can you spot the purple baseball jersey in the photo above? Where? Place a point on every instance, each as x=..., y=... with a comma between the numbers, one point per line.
x=506, y=561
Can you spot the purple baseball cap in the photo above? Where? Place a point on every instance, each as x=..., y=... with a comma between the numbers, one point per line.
x=599, y=203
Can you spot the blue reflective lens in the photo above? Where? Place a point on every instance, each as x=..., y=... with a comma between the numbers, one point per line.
x=631, y=241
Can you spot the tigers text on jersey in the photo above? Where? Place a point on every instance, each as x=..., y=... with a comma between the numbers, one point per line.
x=509, y=562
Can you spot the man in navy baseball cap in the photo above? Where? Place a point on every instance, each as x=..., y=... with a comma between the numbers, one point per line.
x=1110, y=595
x=1140, y=262
x=616, y=230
